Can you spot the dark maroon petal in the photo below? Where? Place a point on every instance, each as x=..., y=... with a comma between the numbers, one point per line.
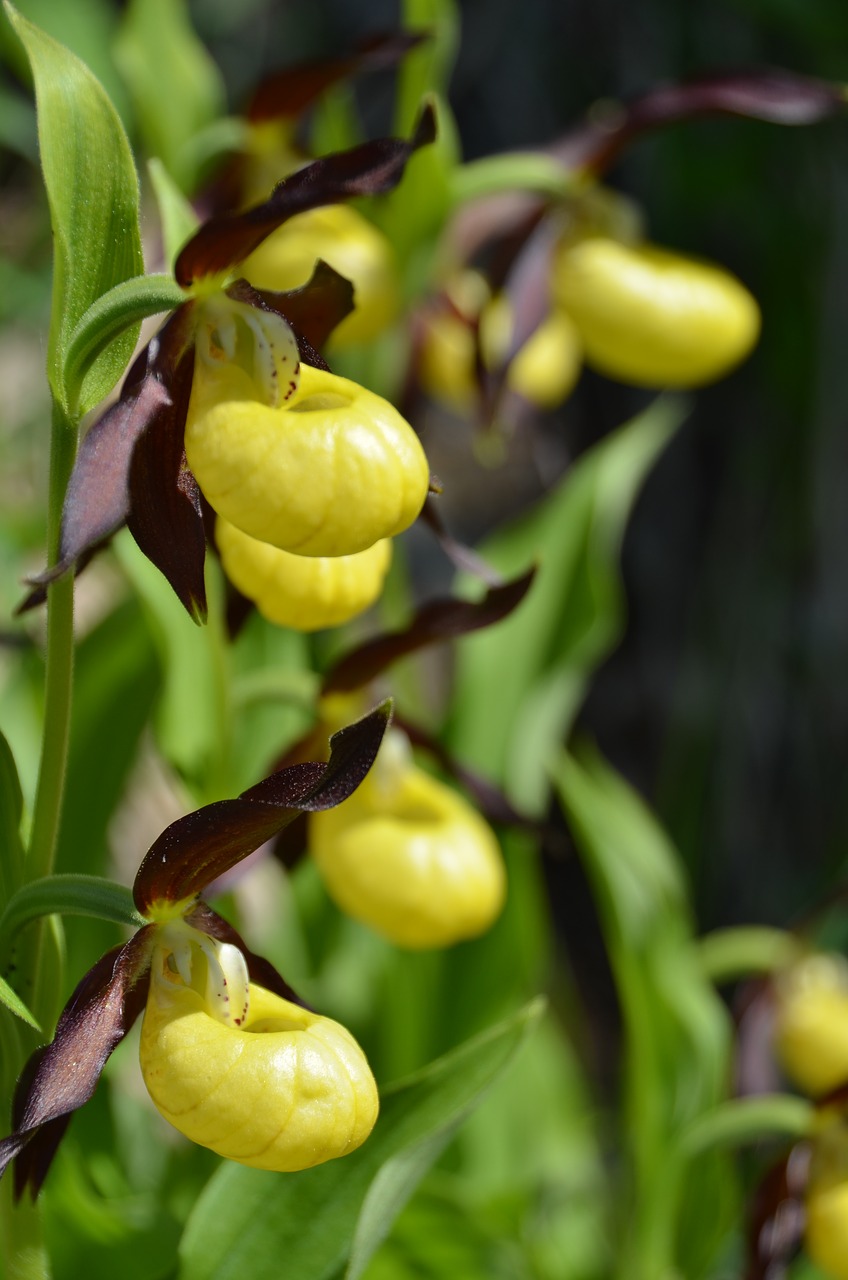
x=98, y=495
x=33, y=1162
x=165, y=515
x=775, y=96
x=196, y=849
x=316, y=307
x=370, y=169
x=259, y=969
x=440, y=620
x=290, y=91
x=64, y=1075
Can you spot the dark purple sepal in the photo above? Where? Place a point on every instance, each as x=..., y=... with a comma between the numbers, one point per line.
x=63, y=1075
x=287, y=93
x=259, y=969
x=317, y=307
x=165, y=515
x=98, y=498
x=196, y=849
x=370, y=169
x=774, y=96
x=437, y=621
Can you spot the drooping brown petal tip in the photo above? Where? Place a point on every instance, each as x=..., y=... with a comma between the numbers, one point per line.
x=196, y=849
x=63, y=1075
x=440, y=620
x=774, y=96
x=370, y=169
x=288, y=92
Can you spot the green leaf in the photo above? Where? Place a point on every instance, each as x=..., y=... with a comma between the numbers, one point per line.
x=189, y=713
x=740, y=1121
x=179, y=221
x=540, y=659
x=11, y=808
x=117, y=677
x=74, y=895
x=677, y=1037
x=13, y=1002
x=176, y=88
x=246, y=1221
x=122, y=308
x=92, y=191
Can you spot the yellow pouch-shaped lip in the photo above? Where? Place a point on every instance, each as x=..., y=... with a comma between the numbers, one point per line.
x=351, y=245
x=329, y=473
x=412, y=860
x=826, y=1234
x=811, y=1024
x=286, y=1090
x=652, y=317
x=303, y=592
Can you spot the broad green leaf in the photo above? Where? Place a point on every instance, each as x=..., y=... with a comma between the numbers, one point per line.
x=440, y=1234
x=246, y=1221
x=92, y=190
x=540, y=659
x=176, y=88
x=677, y=1035
x=13, y=1001
x=86, y=27
x=179, y=221
x=11, y=807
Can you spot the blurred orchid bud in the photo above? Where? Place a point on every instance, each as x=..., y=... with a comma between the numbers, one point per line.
x=826, y=1203
x=244, y=1072
x=652, y=317
x=353, y=246
x=303, y=592
x=409, y=856
x=811, y=1025
x=544, y=370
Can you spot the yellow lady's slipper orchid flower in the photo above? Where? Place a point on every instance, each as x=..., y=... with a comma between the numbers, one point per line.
x=329, y=472
x=351, y=245
x=244, y=1072
x=409, y=857
x=303, y=592
x=652, y=317
x=811, y=1026
x=544, y=371
x=826, y=1203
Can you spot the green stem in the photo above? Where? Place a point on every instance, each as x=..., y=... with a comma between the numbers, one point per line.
x=514, y=171
x=729, y=954
x=25, y=1255
x=60, y=665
